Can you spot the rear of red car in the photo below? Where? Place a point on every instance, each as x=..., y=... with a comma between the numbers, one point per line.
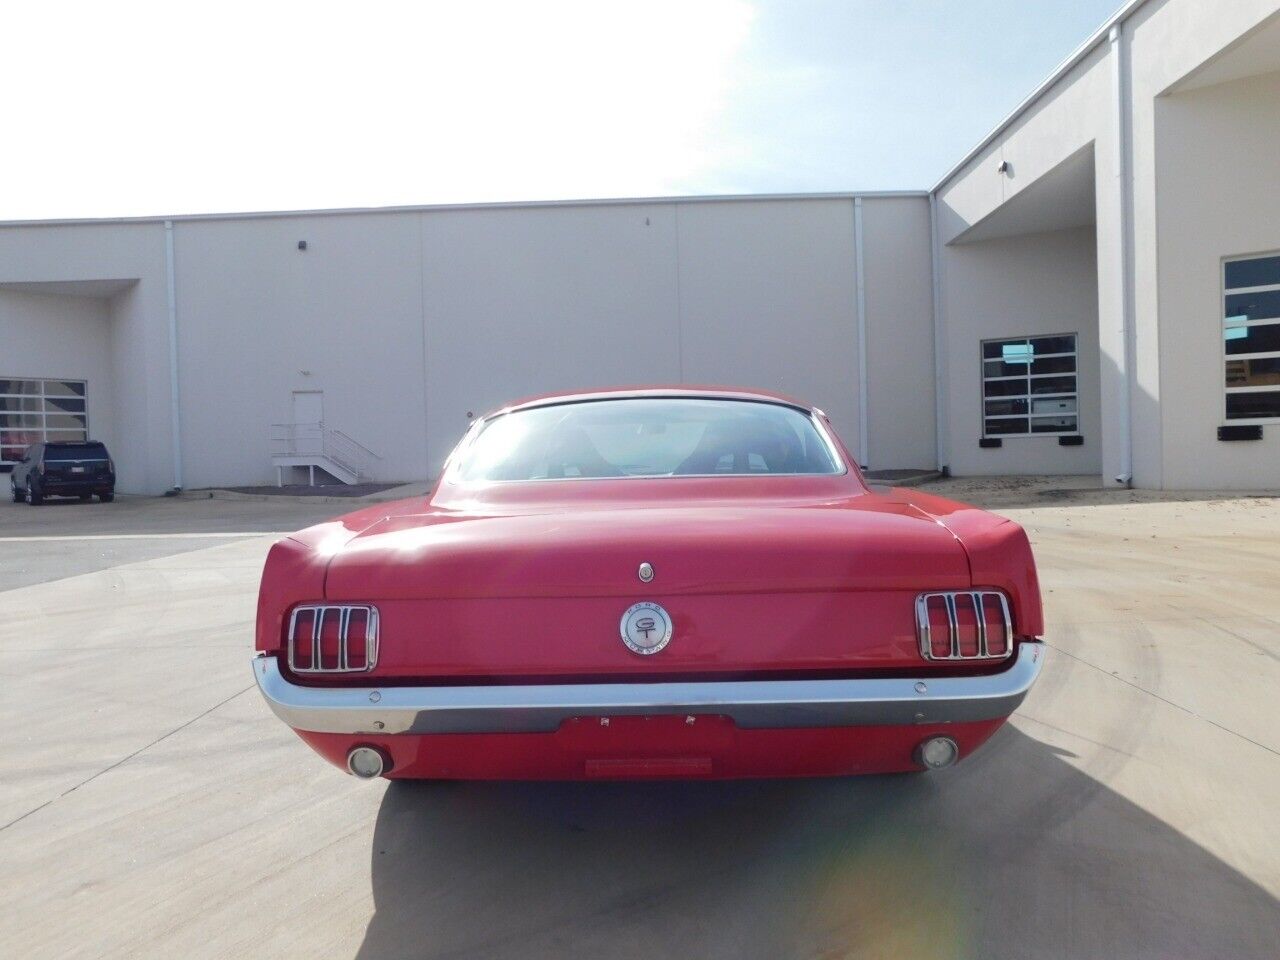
x=700, y=625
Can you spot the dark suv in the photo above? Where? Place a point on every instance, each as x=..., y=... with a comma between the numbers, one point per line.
x=66, y=469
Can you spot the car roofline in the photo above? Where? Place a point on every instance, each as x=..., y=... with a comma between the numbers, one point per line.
x=681, y=392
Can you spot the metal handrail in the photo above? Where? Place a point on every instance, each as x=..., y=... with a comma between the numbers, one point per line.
x=314, y=439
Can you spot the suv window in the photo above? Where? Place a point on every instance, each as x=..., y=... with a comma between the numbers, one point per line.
x=75, y=451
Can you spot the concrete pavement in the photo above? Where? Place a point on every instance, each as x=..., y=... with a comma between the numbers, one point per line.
x=150, y=806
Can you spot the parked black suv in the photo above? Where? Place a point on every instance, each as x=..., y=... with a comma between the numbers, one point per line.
x=65, y=469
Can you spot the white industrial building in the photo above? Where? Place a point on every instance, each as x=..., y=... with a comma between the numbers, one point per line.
x=1095, y=289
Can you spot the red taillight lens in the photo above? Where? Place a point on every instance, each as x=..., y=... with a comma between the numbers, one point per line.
x=967, y=625
x=993, y=617
x=939, y=627
x=301, y=631
x=358, y=639
x=330, y=639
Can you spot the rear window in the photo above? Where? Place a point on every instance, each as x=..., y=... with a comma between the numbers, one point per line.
x=75, y=451
x=647, y=437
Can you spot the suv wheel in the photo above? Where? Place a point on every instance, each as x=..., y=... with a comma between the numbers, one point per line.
x=18, y=496
x=106, y=497
x=33, y=495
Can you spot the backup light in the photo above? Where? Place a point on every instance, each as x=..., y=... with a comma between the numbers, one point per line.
x=937, y=753
x=366, y=762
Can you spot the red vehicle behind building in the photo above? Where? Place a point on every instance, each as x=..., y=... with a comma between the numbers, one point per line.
x=650, y=583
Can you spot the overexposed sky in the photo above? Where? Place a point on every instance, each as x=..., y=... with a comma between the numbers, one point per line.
x=139, y=108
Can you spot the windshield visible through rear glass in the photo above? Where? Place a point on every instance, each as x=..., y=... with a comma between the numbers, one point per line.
x=647, y=437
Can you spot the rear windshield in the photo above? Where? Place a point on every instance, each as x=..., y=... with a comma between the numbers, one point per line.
x=647, y=437
x=75, y=451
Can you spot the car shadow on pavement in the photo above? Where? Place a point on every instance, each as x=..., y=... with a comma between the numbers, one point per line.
x=1015, y=853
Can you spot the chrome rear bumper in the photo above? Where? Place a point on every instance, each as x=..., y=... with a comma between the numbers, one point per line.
x=541, y=708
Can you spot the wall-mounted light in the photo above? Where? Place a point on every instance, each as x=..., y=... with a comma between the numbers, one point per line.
x=1005, y=167
x=302, y=244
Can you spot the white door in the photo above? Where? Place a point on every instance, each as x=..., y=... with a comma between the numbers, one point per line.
x=308, y=420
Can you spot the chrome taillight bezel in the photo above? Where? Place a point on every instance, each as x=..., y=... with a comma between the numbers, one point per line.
x=321, y=611
x=979, y=599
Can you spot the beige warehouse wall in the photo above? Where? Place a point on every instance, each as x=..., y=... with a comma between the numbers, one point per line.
x=747, y=293
x=900, y=361
x=258, y=319
x=526, y=301
x=1217, y=171
x=767, y=299
x=1027, y=285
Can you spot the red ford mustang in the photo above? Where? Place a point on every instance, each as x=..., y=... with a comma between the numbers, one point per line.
x=650, y=583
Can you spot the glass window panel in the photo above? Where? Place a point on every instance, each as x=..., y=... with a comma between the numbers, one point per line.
x=997, y=427
x=66, y=421
x=1258, y=272
x=998, y=407
x=994, y=349
x=64, y=388
x=1054, y=365
x=1054, y=385
x=19, y=403
x=1016, y=353
x=1260, y=339
x=1005, y=388
x=25, y=421
x=1253, y=406
x=64, y=404
x=1253, y=306
x=1053, y=424
x=998, y=368
x=64, y=435
x=1253, y=373
x=1054, y=405
x=1063, y=344
x=20, y=386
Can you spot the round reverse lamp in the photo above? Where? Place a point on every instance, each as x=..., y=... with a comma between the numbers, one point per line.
x=937, y=753
x=366, y=762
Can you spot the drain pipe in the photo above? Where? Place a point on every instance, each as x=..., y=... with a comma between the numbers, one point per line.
x=940, y=431
x=861, y=306
x=174, y=405
x=1124, y=152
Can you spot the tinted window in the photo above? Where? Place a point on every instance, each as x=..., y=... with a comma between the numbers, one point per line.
x=1259, y=272
x=646, y=437
x=75, y=451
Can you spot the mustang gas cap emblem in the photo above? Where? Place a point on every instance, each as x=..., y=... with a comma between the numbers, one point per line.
x=646, y=572
x=645, y=628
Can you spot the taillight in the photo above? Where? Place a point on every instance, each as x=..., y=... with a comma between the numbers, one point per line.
x=111, y=465
x=964, y=625
x=333, y=638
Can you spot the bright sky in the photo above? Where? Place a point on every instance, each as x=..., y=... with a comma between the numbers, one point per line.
x=134, y=108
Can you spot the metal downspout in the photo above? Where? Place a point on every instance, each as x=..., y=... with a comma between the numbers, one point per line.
x=174, y=405
x=939, y=354
x=1124, y=152
x=861, y=293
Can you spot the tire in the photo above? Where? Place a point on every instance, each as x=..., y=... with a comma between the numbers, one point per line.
x=105, y=497
x=18, y=496
x=34, y=496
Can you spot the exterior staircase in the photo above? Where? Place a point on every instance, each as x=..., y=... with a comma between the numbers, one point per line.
x=315, y=446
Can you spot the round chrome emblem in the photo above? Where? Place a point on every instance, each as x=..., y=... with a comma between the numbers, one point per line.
x=645, y=628
x=646, y=572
